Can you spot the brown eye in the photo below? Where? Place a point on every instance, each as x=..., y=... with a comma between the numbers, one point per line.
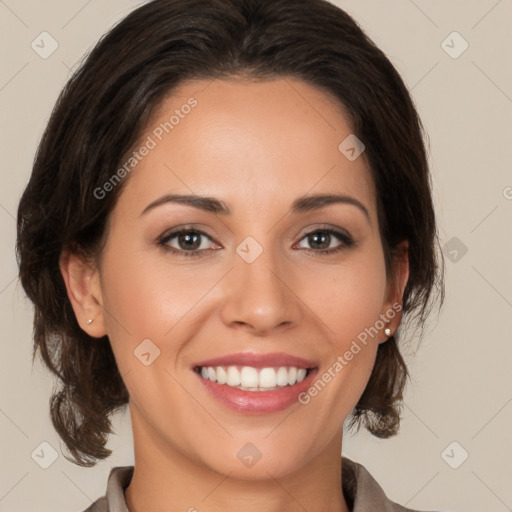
x=189, y=241
x=186, y=242
x=322, y=240
x=319, y=240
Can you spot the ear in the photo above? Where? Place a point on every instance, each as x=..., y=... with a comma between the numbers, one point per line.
x=82, y=281
x=392, y=307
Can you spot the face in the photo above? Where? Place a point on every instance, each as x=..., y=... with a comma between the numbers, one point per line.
x=264, y=286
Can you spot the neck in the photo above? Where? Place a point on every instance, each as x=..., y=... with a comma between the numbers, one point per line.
x=166, y=479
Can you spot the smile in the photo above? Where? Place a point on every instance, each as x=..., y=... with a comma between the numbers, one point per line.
x=251, y=383
x=248, y=378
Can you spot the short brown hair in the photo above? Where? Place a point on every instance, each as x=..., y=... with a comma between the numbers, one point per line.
x=103, y=110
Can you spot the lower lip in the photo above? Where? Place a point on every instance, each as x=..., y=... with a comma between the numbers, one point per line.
x=257, y=402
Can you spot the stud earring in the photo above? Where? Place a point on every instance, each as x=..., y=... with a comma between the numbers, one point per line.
x=90, y=321
x=387, y=331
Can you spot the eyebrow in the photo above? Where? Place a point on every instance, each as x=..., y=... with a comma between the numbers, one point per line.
x=300, y=205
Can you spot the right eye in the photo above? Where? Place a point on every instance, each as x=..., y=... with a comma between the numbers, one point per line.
x=185, y=242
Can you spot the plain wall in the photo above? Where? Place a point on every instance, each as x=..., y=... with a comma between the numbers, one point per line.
x=461, y=388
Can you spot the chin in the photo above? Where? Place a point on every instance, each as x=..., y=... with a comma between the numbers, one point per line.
x=254, y=461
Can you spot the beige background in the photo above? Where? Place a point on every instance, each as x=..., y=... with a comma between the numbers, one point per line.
x=462, y=385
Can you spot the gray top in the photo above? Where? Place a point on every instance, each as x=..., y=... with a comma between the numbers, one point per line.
x=362, y=493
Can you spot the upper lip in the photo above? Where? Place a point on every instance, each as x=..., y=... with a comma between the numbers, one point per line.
x=274, y=359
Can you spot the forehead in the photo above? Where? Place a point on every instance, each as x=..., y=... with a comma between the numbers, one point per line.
x=250, y=143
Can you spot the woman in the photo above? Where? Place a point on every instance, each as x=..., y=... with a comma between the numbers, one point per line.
x=228, y=219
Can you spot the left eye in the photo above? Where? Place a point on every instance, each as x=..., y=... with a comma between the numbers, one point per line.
x=321, y=240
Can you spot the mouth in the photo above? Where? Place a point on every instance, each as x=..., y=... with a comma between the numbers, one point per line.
x=256, y=383
x=249, y=378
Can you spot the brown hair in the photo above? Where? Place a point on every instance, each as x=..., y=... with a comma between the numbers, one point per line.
x=103, y=110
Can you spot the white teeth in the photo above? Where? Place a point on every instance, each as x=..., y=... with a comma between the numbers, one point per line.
x=282, y=377
x=233, y=376
x=221, y=375
x=212, y=374
x=267, y=378
x=249, y=377
x=254, y=379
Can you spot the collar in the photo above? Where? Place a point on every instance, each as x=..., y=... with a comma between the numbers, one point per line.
x=362, y=493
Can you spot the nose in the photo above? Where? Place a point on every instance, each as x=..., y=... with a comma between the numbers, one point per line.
x=259, y=296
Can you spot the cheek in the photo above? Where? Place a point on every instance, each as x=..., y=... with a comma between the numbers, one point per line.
x=147, y=296
x=348, y=298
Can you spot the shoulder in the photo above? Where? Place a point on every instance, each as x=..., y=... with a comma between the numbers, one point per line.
x=114, y=500
x=362, y=491
x=100, y=505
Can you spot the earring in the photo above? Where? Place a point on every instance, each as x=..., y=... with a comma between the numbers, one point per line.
x=90, y=321
x=387, y=331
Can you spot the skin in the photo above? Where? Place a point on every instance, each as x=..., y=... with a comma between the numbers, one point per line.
x=257, y=146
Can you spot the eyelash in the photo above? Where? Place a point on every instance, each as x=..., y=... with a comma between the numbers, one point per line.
x=162, y=242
